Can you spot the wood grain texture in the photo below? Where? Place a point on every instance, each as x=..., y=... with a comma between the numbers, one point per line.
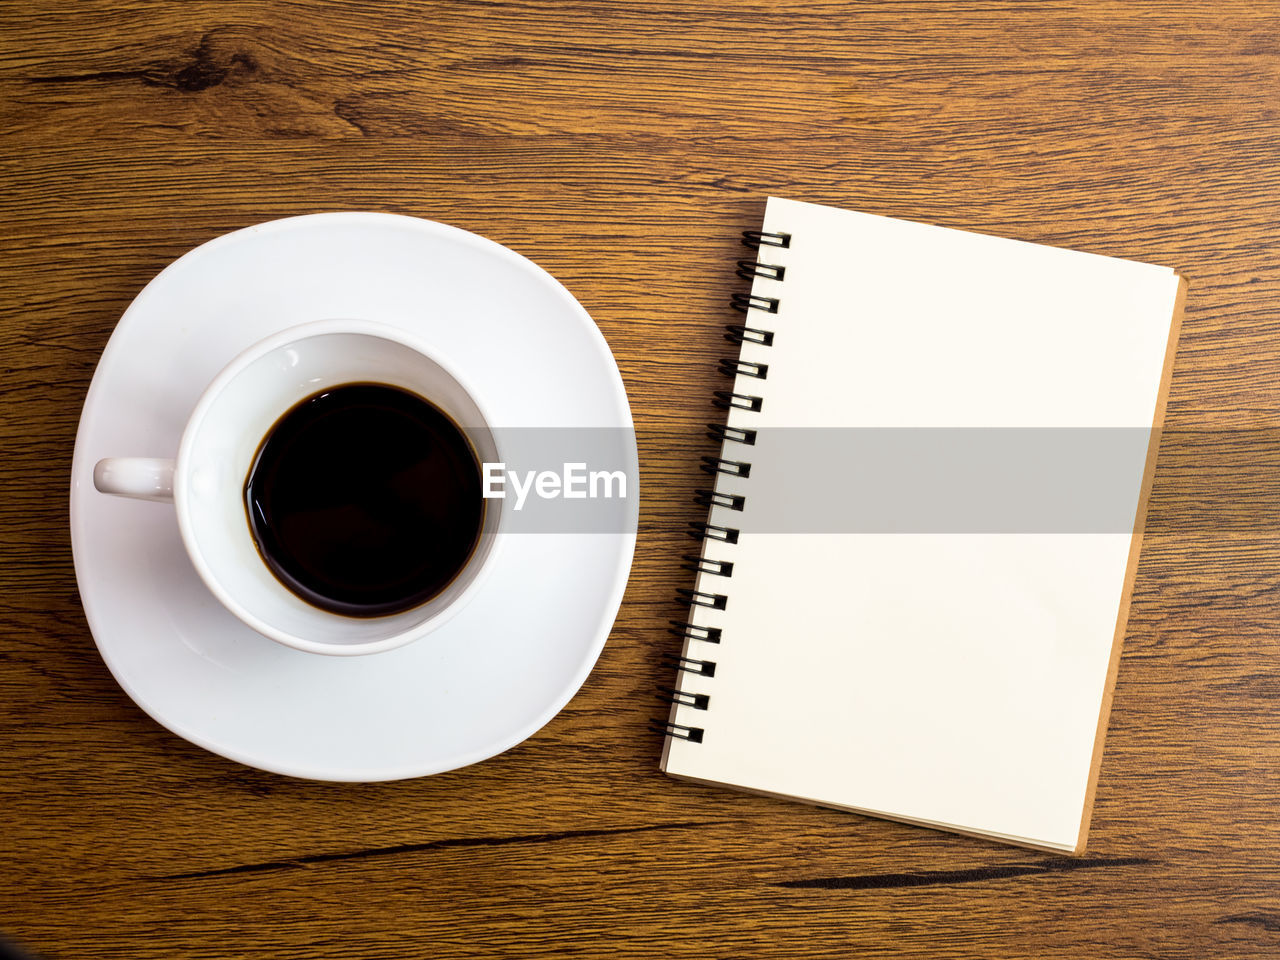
x=622, y=147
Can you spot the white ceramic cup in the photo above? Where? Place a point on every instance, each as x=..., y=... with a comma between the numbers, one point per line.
x=233, y=415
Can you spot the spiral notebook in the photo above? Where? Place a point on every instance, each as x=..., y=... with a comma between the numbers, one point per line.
x=923, y=523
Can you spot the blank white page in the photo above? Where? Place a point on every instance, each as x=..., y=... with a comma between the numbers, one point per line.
x=952, y=677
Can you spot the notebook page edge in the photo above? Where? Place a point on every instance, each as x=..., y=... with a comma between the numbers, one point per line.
x=1131, y=569
x=1027, y=842
x=777, y=205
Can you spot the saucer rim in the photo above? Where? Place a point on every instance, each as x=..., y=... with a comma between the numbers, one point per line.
x=623, y=556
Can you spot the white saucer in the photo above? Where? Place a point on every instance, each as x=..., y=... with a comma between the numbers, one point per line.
x=489, y=678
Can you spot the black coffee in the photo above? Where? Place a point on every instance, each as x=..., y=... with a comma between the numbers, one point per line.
x=365, y=500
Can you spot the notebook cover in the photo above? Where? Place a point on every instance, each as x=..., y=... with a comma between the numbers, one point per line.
x=688, y=764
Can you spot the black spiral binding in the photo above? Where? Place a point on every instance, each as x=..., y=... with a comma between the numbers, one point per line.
x=750, y=269
x=718, y=568
x=709, y=531
x=693, y=631
x=755, y=239
x=727, y=400
x=703, y=668
x=739, y=334
x=743, y=368
x=713, y=498
x=699, y=701
x=721, y=432
x=734, y=468
x=742, y=302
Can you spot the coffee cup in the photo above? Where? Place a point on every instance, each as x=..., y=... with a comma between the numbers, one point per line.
x=276, y=586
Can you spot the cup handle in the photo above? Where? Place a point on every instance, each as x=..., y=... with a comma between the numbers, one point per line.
x=142, y=478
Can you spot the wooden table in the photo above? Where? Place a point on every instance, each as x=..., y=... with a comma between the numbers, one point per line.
x=622, y=147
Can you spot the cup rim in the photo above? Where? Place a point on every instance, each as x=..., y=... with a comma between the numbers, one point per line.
x=208, y=397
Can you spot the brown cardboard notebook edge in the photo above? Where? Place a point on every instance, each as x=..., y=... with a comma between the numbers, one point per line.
x=1131, y=569
x=1000, y=838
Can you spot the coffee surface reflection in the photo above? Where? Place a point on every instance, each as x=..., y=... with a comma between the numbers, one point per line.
x=365, y=500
